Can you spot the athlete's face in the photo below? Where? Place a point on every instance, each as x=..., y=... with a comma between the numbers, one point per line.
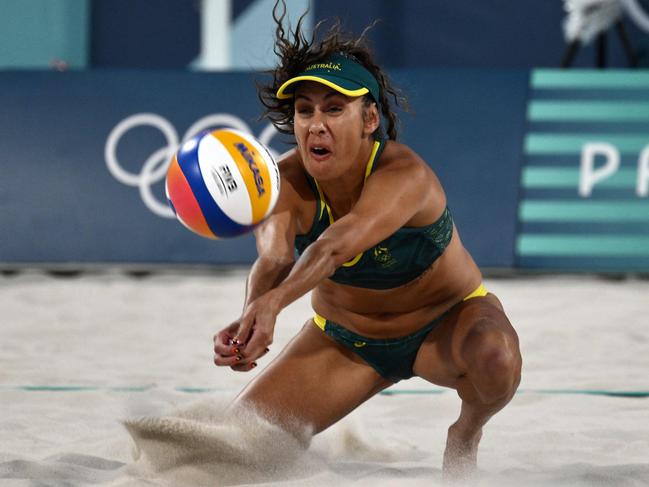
x=331, y=129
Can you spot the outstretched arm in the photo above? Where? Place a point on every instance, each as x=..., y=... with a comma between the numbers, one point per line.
x=275, y=239
x=275, y=259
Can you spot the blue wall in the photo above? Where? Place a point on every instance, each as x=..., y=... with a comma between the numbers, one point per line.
x=61, y=203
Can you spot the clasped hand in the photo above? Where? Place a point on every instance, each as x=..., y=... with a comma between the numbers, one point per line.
x=245, y=340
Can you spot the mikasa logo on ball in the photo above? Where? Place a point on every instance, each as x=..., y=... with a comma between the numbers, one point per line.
x=259, y=181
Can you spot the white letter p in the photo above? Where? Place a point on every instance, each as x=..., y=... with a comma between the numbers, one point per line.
x=588, y=175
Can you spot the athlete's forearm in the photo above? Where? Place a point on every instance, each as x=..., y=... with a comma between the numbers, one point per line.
x=316, y=263
x=265, y=274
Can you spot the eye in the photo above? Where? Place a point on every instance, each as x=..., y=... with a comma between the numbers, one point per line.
x=303, y=110
x=334, y=109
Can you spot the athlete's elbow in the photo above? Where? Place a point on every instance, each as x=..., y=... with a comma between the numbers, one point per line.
x=322, y=254
x=336, y=252
x=278, y=265
x=275, y=260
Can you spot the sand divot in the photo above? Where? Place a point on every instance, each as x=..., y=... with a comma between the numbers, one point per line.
x=207, y=443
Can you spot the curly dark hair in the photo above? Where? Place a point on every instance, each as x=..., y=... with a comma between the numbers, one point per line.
x=296, y=52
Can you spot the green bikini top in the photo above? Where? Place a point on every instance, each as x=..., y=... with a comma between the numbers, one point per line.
x=395, y=261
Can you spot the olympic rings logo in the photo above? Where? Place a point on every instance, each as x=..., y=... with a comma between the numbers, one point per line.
x=155, y=166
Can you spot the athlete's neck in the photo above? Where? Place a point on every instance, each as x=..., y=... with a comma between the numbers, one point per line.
x=341, y=194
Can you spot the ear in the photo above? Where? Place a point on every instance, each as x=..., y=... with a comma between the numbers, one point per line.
x=371, y=119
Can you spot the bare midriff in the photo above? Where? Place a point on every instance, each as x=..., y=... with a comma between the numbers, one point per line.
x=404, y=309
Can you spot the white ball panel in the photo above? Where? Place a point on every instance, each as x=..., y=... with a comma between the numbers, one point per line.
x=223, y=180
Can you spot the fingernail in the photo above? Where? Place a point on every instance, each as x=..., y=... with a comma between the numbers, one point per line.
x=235, y=342
x=268, y=350
x=239, y=357
x=253, y=365
x=235, y=350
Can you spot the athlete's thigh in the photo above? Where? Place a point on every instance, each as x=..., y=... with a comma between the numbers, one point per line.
x=440, y=358
x=314, y=382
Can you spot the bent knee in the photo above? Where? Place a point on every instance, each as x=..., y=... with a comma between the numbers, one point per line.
x=497, y=362
x=493, y=362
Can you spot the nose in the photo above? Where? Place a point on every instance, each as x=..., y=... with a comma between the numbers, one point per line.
x=317, y=125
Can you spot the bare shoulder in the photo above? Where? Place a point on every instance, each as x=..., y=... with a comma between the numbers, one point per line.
x=398, y=156
x=403, y=159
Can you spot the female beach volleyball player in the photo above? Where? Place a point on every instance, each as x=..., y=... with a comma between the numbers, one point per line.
x=395, y=293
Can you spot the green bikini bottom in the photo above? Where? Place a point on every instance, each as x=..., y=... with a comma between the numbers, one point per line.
x=392, y=358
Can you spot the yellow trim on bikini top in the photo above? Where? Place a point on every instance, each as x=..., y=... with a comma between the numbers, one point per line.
x=323, y=202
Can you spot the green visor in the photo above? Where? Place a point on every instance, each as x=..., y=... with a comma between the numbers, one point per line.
x=338, y=72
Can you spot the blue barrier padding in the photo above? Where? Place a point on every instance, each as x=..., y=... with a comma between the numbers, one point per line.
x=59, y=202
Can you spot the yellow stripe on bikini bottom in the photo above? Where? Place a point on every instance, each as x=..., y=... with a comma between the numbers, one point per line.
x=320, y=321
x=480, y=291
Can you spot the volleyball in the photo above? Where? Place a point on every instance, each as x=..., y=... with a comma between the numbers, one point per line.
x=221, y=184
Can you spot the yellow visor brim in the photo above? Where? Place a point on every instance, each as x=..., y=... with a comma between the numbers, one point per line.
x=282, y=95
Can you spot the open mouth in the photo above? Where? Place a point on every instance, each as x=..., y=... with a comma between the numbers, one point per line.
x=320, y=151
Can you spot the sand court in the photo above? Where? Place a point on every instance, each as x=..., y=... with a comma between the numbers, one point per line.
x=81, y=355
